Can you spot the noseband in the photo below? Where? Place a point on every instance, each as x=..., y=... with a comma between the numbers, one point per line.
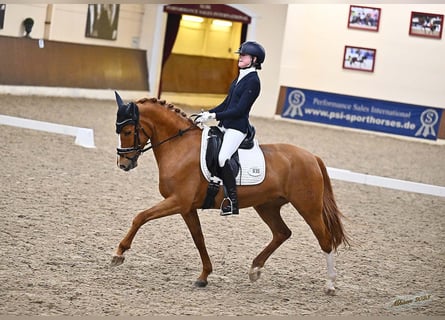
x=137, y=147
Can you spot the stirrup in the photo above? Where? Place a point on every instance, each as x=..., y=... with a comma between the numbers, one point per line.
x=227, y=210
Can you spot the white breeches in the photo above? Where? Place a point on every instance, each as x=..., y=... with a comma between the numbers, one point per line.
x=231, y=142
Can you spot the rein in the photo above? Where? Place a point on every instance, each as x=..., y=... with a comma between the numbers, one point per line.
x=179, y=134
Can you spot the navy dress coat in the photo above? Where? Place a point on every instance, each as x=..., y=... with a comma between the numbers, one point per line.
x=233, y=112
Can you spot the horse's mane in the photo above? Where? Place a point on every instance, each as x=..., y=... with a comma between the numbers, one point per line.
x=166, y=105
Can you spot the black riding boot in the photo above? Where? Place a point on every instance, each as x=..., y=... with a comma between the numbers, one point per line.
x=229, y=182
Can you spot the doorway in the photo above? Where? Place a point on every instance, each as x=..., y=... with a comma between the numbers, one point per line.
x=199, y=49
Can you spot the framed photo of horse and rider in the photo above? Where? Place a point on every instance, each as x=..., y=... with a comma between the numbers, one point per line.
x=426, y=25
x=421, y=23
x=368, y=19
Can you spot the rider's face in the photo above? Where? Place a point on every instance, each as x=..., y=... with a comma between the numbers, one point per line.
x=244, y=60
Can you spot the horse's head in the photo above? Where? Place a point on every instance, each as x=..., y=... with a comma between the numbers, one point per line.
x=147, y=124
x=128, y=128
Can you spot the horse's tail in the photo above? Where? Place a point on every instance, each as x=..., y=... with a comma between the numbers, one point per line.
x=331, y=214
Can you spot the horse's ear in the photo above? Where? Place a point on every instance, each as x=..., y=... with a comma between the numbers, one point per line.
x=118, y=99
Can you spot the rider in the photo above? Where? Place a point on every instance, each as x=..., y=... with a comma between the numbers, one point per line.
x=233, y=114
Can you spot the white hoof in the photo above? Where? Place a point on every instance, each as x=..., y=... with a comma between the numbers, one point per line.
x=254, y=274
x=330, y=289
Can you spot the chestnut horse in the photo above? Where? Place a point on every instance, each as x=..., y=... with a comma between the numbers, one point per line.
x=292, y=175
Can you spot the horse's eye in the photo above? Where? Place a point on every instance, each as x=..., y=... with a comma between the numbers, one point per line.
x=127, y=133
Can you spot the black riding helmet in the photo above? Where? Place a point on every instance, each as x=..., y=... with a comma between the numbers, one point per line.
x=254, y=49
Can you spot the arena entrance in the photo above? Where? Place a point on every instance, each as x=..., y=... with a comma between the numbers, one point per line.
x=198, y=55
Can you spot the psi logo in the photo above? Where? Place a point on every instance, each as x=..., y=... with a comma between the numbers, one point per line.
x=296, y=100
x=428, y=119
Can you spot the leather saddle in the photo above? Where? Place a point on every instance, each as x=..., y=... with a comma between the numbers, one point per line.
x=214, y=142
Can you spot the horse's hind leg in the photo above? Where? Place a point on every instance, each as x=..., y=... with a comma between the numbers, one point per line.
x=270, y=213
x=332, y=274
x=313, y=217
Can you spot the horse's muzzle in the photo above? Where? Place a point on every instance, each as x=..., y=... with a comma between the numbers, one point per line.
x=126, y=164
x=128, y=168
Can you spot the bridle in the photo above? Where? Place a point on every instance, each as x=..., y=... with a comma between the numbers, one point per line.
x=139, y=149
x=128, y=114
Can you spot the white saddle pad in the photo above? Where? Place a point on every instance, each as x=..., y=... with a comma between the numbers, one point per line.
x=253, y=165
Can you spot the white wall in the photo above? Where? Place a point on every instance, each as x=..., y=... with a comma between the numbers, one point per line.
x=407, y=68
x=68, y=23
x=16, y=13
x=268, y=28
x=152, y=39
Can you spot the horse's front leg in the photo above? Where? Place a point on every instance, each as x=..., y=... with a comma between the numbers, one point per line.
x=192, y=220
x=162, y=209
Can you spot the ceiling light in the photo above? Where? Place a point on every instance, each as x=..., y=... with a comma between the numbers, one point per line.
x=222, y=23
x=192, y=18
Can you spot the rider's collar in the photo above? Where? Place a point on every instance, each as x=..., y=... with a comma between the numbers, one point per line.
x=244, y=72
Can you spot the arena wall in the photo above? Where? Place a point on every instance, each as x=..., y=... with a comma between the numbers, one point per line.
x=30, y=62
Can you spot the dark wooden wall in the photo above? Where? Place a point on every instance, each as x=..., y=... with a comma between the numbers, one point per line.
x=198, y=74
x=62, y=64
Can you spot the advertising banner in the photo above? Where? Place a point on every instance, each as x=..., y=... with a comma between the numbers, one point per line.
x=362, y=113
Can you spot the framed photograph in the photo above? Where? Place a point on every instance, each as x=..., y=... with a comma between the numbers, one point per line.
x=357, y=58
x=364, y=18
x=426, y=25
x=102, y=21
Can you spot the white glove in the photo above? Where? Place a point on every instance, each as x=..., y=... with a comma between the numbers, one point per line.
x=205, y=116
